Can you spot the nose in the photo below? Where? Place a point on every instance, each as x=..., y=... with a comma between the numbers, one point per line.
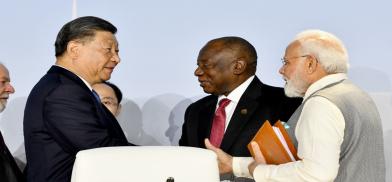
x=198, y=71
x=116, y=58
x=281, y=70
x=9, y=88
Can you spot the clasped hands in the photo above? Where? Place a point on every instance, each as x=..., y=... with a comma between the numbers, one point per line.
x=225, y=161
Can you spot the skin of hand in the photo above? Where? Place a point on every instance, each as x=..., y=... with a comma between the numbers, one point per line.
x=259, y=158
x=225, y=161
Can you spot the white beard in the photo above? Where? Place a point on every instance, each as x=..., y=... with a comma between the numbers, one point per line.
x=3, y=103
x=296, y=86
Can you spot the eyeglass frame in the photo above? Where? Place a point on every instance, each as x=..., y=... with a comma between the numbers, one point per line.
x=285, y=60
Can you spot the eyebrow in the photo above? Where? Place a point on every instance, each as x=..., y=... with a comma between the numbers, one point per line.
x=110, y=98
x=5, y=78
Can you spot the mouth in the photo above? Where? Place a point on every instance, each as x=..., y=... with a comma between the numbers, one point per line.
x=203, y=83
x=285, y=79
x=109, y=68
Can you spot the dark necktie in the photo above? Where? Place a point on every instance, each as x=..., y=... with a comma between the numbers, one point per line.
x=96, y=96
x=219, y=123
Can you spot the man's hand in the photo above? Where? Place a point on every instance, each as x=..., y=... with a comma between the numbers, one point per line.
x=225, y=161
x=259, y=158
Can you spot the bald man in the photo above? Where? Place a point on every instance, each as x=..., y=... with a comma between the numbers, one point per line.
x=9, y=170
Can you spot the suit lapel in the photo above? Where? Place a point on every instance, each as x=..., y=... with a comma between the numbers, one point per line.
x=104, y=116
x=111, y=121
x=102, y=113
x=205, y=120
x=69, y=75
x=246, y=107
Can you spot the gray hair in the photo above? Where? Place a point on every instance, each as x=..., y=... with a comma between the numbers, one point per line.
x=326, y=47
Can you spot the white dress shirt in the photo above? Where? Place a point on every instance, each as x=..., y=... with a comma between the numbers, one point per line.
x=234, y=97
x=319, y=132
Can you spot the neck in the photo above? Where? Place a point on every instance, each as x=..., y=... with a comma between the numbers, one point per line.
x=68, y=64
x=317, y=75
x=236, y=83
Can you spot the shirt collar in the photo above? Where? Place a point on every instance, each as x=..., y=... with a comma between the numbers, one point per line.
x=236, y=94
x=84, y=81
x=323, y=82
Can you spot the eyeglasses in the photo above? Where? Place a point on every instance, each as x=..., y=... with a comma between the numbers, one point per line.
x=285, y=61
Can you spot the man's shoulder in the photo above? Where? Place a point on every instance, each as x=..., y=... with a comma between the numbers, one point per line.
x=203, y=102
x=276, y=95
x=269, y=89
x=45, y=85
x=206, y=100
x=55, y=83
x=259, y=90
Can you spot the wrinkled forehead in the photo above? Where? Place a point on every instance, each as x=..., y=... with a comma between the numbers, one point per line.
x=293, y=48
x=4, y=72
x=105, y=37
x=216, y=50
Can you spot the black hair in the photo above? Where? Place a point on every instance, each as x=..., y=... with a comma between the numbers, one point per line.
x=80, y=28
x=242, y=48
x=117, y=91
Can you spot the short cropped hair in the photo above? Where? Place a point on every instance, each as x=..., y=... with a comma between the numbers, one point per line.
x=326, y=47
x=242, y=48
x=81, y=28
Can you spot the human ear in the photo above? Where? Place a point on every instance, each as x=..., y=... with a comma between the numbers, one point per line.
x=311, y=64
x=239, y=66
x=73, y=49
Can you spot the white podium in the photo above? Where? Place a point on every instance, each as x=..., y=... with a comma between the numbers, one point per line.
x=145, y=164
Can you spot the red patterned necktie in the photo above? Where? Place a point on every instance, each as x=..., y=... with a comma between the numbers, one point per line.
x=218, y=124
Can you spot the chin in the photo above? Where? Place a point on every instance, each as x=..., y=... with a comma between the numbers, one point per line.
x=105, y=78
x=291, y=91
x=207, y=91
x=2, y=107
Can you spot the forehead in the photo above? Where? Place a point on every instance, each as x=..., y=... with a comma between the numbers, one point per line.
x=4, y=72
x=105, y=37
x=214, y=52
x=293, y=48
x=104, y=90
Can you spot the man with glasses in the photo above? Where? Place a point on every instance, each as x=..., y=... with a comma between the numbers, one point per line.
x=110, y=96
x=337, y=129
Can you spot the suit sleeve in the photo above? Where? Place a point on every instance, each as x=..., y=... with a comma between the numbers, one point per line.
x=289, y=105
x=184, y=135
x=72, y=120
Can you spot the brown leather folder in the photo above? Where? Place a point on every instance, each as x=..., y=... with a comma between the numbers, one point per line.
x=272, y=148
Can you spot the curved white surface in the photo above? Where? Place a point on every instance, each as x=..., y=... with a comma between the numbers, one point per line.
x=148, y=163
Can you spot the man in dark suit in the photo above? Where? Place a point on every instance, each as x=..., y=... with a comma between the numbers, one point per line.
x=63, y=115
x=9, y=170
x=226, y=70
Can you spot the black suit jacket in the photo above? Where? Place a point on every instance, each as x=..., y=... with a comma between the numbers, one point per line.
x=9, y=170
x=62, y=117
x=259, y=102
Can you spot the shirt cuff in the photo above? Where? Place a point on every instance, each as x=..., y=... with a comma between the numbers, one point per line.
x=240, y=166
x=261, y=172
